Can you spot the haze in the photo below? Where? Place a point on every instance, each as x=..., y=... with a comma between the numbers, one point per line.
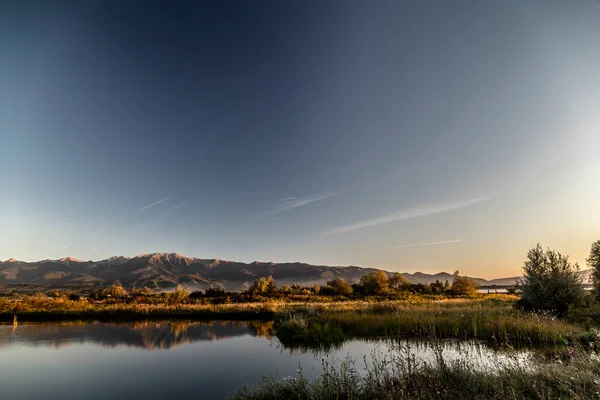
x=408, y=136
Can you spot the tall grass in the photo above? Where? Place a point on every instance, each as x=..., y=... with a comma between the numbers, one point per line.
x=497, y=323
x=401, y=376
x=41, y=307
x=491, y=318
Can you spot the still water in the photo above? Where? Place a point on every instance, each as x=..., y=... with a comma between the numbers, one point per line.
x=172, y=360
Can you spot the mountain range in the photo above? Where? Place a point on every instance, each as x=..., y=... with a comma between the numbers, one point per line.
x=162, y=271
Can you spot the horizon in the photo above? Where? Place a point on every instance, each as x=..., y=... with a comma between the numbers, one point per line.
x=83, y=260
x=398, y=136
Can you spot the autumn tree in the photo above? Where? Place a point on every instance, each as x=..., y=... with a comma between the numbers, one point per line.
x=115, y=291
x=376, y=282
x=263, y=286
x=398, y=283
x=340, y=286
x=179, y=295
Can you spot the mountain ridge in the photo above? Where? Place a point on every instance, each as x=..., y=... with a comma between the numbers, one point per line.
x=161, y=271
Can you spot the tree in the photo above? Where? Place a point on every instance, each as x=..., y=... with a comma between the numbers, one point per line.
x=316, y=289
x=593, y=262
x=214, y=291
x=376, y=282
x=146, y=291
x=263, y=287
x=463, y=286
x=550, y=282
x=398, y=283
x=437, y=287
x=179, y=295
x=340, y=286
x=115, y=291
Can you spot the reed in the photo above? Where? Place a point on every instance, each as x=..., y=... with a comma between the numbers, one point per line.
x=401, y=376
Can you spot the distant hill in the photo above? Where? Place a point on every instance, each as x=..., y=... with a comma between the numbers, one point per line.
x=162, y=271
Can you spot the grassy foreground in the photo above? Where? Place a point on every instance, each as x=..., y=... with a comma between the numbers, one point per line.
x=403, y=377
x=491, y=318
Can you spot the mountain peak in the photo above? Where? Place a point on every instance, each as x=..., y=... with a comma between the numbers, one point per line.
x=70, y=259
x=170, y=257
x=12, y=260
x=118, y=259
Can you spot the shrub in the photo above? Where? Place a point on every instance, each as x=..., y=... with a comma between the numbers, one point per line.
x=263, y=287
x=463, y=286
x=338, y=286
x=550, y=282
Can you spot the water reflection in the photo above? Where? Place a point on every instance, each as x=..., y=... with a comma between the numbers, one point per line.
x=143, y=335
x=205, y=360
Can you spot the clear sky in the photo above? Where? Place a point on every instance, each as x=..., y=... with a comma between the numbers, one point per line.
x=411, y=136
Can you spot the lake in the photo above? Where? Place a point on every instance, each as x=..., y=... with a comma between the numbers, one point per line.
x=176, y=360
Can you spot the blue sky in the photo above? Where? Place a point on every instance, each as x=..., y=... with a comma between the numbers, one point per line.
x=401, y=135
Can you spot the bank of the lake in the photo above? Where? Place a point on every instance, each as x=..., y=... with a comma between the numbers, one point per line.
x=491, y=318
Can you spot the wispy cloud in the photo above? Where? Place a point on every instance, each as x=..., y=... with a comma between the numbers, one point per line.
x=402, y=215
x=289, y=204
x=67, y=246
x=422, y=244
x=154, y=204
x=170, y=210
x=288, y=198
x=427, y=243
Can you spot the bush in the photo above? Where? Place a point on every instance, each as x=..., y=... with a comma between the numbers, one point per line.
x=463, y=286
x=375, y=282
x=550, y=282
x=263, y=287
x=338, y=286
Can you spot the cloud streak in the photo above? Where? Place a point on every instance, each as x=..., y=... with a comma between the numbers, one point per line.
x=67, y=246
x=173, y=208
x=289, y=204
x=154, y=204
x=427, y=244
x=422, y=244
x=288, y=198
x=402, y=215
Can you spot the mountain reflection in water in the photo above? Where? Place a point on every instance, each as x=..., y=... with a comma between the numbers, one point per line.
x=143, y=335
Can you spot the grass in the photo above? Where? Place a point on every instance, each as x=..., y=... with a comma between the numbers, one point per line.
x=401, y=376
x=491, y=318
x=41, y=307
x=493, y=321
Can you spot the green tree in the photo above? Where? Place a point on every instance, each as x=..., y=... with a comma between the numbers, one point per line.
x=463, y=286
x=376, y=282
x=593, y=262
x=340, y=286
x=550, y=282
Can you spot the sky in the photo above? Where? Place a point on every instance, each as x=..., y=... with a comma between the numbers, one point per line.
x=410, y=136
